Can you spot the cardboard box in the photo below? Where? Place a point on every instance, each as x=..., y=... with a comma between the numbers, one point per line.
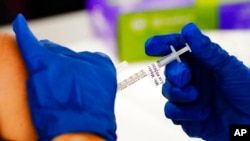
x=234, y=14
x=126, y=25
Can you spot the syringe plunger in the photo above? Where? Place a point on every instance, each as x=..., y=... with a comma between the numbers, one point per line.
x=175, y=55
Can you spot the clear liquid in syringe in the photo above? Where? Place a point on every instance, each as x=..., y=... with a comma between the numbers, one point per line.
x=153, y=70
x=132, y=79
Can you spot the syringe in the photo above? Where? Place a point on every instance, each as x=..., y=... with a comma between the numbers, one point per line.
x=153, y=70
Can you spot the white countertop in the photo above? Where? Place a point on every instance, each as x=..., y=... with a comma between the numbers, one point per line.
x=139, y=109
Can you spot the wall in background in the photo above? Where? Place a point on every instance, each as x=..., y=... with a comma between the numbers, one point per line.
x=36, y=8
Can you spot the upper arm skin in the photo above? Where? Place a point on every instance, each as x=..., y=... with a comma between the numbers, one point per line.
x=15, y=118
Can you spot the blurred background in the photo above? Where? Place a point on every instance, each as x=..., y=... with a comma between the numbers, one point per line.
x=120, y=28
x=33, y=9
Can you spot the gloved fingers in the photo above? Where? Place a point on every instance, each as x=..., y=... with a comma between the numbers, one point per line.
x=178, y=74
x=105, y=57
x=66, y=52
x=103, y=54
x=95, y=58
x=159, y=45
x=177, y=122
x=176, y=94
x=29, y=46
x=186, y=111
x=56, y=48
x=209, y=53
x=176, y=87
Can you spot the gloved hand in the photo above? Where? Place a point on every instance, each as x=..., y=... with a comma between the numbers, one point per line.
x=67, y=91
x=208, y=91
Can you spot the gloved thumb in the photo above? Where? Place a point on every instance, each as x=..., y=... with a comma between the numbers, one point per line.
x=34, y=54
x=209, y=53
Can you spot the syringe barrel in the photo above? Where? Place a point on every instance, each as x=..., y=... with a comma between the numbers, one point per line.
x=165, y=60
x=152, y=71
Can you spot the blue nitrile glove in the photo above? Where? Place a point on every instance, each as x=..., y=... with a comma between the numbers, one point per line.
x=208, y=91
x=67, y=91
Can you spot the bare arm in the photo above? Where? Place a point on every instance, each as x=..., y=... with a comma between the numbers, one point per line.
x=15, y=118
x=78, y=137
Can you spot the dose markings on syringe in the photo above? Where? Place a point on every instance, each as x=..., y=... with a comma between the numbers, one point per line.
x=152, y=71
x=132, y=79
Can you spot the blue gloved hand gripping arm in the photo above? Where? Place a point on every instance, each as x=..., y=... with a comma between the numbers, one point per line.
x=67, y=91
